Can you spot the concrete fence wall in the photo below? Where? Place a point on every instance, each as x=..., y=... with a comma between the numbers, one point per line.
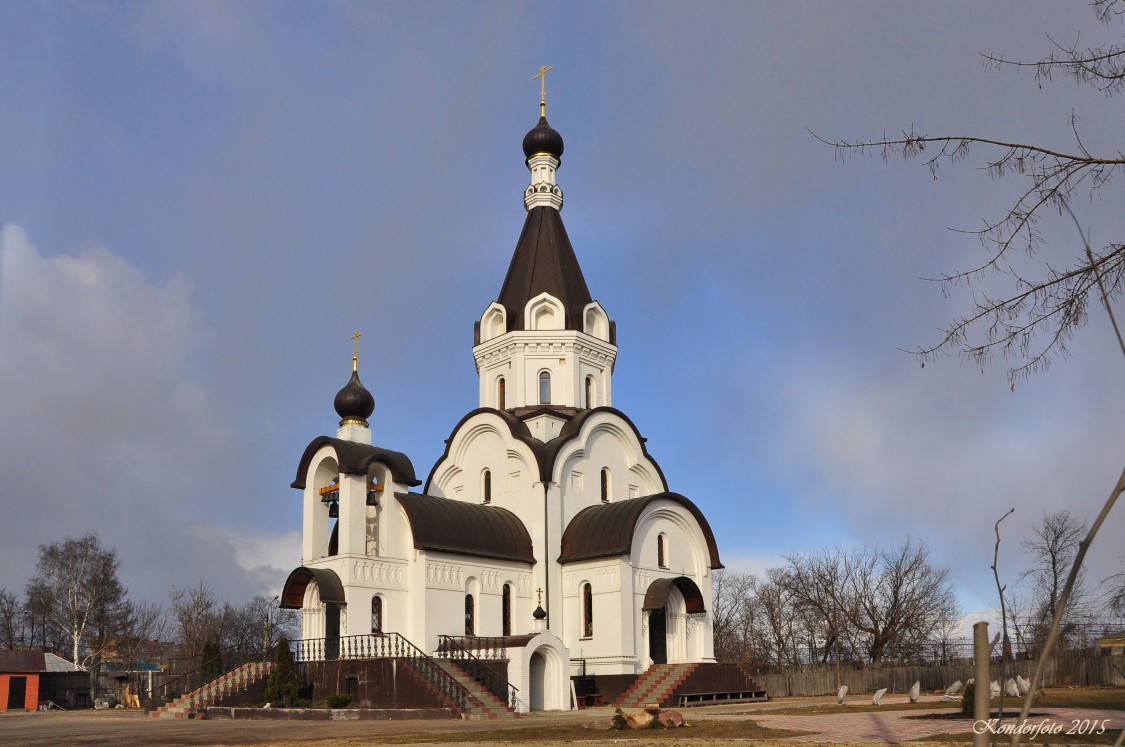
x=1080, y=670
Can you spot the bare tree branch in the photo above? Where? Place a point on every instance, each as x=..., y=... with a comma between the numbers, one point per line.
x=1033, y=321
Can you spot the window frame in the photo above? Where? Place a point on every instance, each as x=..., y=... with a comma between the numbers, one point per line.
x=545, y=393
x=587, y=610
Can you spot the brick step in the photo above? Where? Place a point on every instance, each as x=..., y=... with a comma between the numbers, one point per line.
x=192, y=704
x=486, y=705
x=655, y=685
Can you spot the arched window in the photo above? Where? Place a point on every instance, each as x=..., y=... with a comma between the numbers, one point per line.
x=544, y=387
x=661, y=552
x=376, y=614
x=486, y=488
x=506, y=610
x=605, y=485
x=589, y=392
x=470, y=615
x=587, y=611
x=501, y=400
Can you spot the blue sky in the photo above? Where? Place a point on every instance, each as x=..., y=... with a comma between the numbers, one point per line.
x=201, y=201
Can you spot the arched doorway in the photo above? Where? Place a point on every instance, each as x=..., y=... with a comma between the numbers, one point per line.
x=320, y=588
x=658, y=636
x=539, y=669
x=537, y=677
x=668, y=603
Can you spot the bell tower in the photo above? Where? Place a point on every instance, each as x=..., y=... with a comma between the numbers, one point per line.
x=544, y=343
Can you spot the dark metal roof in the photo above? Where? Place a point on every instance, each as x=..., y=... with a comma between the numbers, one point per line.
x=353, y=401
x=355, y=459
x=545, y=453
x=542, y=138
x=607, y=529
x=544, y=262
x=657, y=595
x=22, y=661
x=466, y=528
x=327, y=585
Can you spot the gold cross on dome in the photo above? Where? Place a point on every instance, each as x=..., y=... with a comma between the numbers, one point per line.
x=539, y=591
x=355, y=350
x=542, y=78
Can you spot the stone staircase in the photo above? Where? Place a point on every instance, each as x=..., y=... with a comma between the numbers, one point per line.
x=481, y=704
x=194, y=703
x=655, y=685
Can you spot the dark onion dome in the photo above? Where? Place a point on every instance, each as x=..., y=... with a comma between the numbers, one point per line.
x=542, y=138
x=539, y=613
x=353, y=403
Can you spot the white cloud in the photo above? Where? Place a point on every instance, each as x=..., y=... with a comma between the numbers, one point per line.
x=101, y=423
x=748, y=562
x=942, y=455
x=217, y=42
x=276, y=556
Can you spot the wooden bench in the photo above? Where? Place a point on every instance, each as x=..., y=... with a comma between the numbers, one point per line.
x=593, y=700
x=738, y=696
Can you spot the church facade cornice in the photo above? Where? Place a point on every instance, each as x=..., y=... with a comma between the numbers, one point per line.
x=583, y=346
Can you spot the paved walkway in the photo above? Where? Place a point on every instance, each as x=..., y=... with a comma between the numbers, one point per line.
x=896, y=727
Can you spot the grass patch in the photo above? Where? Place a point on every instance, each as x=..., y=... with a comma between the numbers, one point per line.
x=699, y=730
x=1110, y=698
x=1102, y=698
x=831, y=709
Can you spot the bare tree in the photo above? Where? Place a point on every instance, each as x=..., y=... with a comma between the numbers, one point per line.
x=196, y=615
x=256, y=626
x=732, y=598
x=1053, y=547
x=1115, y=601
x=139, y=639
x=817, y=584
x=241, y=631
x=1046, y=302
x=898, y=598
x=893, y=601
x=77, y=591
x=777, y=631
x=12, y=618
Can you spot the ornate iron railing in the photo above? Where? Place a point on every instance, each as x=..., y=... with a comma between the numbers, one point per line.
x=482, y=646
x=454, y=648
x=367, y=646
x=384, y=646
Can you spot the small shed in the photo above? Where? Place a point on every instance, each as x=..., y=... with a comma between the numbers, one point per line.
x=1113, y=644
x=20, y=675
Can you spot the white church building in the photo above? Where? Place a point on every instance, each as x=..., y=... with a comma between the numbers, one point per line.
x=546, y=524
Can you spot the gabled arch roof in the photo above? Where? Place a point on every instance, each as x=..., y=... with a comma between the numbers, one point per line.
x=657, y=594
x=355, y=459
x=466, y=528
x=607, y=529
x=545, y=453
x=328, y=585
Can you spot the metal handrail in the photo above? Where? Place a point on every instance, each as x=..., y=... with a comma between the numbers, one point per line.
x=486, y=647
x=192, y=681
x=450, y=647
x=384, y=646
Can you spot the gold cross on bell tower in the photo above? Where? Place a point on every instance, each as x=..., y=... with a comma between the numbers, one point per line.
x=542, y=78
x=355, y=350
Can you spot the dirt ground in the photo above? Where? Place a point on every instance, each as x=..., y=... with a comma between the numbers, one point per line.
x=778, y=722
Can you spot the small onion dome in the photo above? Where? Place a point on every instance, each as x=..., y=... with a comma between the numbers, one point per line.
x=539, y=613
x=542, y=138
x=353, y=403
